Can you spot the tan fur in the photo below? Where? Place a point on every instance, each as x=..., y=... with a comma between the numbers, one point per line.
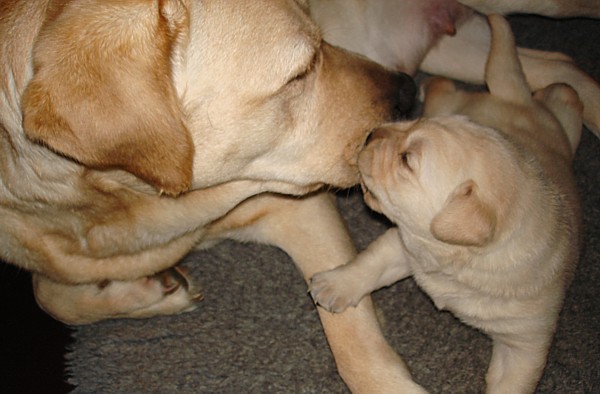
x=448, y=225
x=90, y=70
x=487, y=212
x=552, y=8
x=106, y=106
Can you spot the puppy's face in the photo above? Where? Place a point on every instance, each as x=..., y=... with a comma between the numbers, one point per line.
x=442, y=178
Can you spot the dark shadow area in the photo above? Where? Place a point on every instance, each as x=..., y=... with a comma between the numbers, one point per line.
x=32, y=343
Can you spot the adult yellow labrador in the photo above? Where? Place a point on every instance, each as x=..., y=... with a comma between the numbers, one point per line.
x=132, y=131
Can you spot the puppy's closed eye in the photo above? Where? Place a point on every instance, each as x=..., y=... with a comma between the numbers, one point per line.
x=410, y=155
x=410, y=160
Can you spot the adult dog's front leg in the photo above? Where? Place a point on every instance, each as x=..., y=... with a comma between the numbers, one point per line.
x=311, y=231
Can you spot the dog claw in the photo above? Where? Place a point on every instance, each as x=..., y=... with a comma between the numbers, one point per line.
x=180, y=275
x=170, y=290
x=197, y=297
x=175, y=278
x=172, y=279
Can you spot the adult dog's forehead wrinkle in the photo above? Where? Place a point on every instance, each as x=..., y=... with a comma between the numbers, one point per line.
x=267, y=40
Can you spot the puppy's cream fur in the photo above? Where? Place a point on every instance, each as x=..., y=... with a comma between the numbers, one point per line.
x=486, y=208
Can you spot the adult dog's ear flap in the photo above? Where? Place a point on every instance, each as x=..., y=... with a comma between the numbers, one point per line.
x=465, y=219
x=102, y=90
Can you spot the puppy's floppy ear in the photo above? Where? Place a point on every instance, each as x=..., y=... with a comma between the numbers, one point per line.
x=465, y=219
x=102, y=90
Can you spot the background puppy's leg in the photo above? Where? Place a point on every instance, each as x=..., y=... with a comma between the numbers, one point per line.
x=564, y=103
x=364, y=359
x=553, y=8
x=384, y=262
x=440, y=97
x=517, y=363
x=544, y=54
x=464, y=57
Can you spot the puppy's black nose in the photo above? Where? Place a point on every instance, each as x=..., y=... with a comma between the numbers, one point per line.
x=406, y=97
x=378, y=133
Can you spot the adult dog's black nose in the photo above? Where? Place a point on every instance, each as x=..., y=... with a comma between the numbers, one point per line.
x=406, y=95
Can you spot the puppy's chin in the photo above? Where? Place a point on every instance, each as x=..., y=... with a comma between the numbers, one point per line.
x=370, y=198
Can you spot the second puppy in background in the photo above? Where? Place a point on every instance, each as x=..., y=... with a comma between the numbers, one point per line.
x=488, y=218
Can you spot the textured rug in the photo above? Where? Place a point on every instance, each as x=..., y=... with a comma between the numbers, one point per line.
x=257, y=330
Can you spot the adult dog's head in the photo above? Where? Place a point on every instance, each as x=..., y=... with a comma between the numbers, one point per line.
x=189, y=94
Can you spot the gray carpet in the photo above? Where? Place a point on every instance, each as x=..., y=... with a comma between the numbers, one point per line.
x=257, y=330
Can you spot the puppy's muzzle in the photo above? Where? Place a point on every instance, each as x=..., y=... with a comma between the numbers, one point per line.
x=377, y=134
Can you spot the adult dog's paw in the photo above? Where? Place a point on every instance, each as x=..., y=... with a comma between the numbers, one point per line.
x=169, y=292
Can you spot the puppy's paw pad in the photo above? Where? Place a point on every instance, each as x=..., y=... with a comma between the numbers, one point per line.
x=330, y=291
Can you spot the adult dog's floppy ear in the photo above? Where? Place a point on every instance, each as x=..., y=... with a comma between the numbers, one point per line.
x=465, y=219
x=102, y=90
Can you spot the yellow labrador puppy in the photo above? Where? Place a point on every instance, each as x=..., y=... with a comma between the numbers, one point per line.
x=108, y=108
x=486, y=208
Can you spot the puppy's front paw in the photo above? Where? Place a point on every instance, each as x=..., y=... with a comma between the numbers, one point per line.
x=334, y=290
